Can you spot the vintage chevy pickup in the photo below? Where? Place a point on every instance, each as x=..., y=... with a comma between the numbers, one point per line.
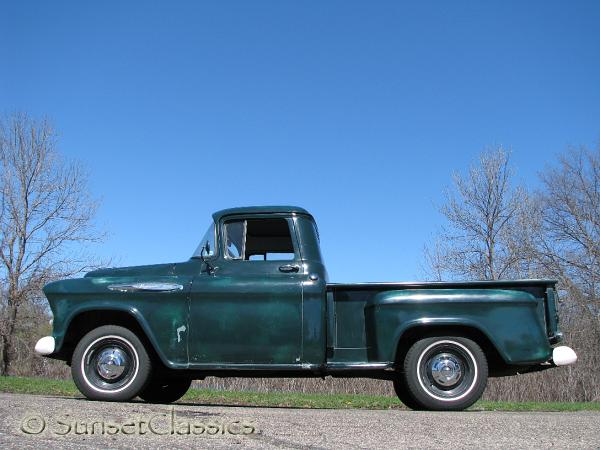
x=254, y=300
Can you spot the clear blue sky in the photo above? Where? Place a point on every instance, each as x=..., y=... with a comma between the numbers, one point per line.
x=358, y=111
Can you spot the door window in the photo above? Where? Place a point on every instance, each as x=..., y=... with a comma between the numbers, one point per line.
x=259, y=240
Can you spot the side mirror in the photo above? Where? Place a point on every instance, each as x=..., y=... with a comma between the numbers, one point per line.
x=206, y=252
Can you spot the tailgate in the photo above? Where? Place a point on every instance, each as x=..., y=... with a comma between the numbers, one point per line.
x=552, y=315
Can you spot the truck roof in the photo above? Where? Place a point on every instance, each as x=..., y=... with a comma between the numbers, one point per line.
x=260, y=210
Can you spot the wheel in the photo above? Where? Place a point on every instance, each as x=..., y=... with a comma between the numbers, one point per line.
x=110, y=363
x=403, y=394
x=166, y=390
x=445, y=373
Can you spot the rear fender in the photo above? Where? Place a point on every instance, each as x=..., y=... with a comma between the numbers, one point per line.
x=508, y=319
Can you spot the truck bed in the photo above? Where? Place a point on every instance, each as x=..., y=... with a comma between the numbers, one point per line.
x=362, y=317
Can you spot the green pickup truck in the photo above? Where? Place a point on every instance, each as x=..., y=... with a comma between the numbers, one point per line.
x=254, y=300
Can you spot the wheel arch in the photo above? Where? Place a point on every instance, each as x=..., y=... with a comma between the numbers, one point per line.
x=417, y=331
x=84, y=321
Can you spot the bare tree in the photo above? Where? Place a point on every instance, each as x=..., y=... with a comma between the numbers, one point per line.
x=569, y=247
x=45, y=215
x=496, y=230
x=489, y=224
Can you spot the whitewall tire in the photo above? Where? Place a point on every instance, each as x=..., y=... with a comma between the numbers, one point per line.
x=110, y=363
x=445, y=373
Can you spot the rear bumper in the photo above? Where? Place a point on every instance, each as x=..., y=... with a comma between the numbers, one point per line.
x=563, y=356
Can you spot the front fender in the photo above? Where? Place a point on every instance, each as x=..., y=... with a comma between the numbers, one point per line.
x=163, y=316
x=62, y=327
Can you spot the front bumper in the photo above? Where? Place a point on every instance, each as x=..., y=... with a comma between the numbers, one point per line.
x=45, y=346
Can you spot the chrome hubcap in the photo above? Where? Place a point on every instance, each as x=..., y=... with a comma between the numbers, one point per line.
x=446, y=370
x=111, y=363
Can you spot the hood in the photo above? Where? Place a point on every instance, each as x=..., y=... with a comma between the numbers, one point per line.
x=97, y=280
x=150, y=270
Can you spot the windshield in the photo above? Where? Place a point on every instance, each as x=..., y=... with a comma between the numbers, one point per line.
x=209, y=237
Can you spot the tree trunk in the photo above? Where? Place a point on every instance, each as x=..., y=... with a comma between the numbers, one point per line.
x=7, y=338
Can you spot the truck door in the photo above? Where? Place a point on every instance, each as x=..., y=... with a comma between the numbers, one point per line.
x=249, y=311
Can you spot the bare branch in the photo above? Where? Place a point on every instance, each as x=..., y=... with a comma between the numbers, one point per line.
x=46, y=216
x=488, y=222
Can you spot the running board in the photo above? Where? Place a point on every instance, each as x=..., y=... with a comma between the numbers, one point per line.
x=358, y=366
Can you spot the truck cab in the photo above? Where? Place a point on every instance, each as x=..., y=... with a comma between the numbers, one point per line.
x=262, y=286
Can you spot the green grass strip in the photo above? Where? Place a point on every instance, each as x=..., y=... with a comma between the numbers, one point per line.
x=42, y=386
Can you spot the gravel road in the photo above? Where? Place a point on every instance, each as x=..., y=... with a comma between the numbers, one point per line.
x=28, y=421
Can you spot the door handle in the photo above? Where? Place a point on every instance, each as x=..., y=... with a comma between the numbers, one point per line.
x=287, y=268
